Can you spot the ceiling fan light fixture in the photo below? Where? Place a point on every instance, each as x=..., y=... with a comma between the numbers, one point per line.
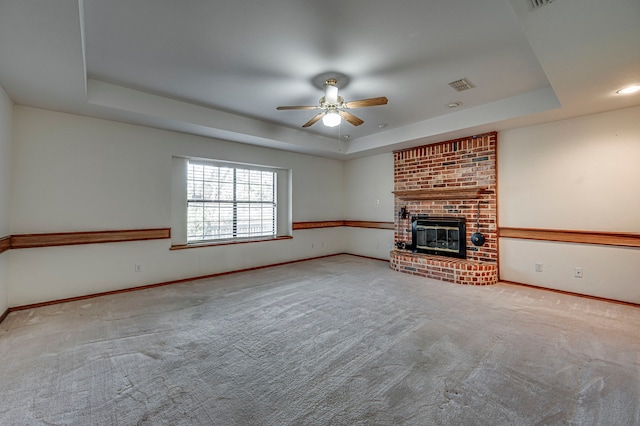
x=331, y=119
x=334, y=108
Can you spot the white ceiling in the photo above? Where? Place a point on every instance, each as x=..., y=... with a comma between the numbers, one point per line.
x=220, y=68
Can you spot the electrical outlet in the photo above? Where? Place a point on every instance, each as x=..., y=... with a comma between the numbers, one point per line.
x=538, y=267
x=577, y=272
x=138, y=268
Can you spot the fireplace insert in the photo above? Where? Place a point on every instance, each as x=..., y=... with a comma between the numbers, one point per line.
x=444, y=236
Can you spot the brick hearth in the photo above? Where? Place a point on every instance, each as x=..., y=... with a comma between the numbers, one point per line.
x=458, y=271
x=449, y=179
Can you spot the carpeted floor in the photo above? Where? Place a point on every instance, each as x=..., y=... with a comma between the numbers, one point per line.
x=335, y=341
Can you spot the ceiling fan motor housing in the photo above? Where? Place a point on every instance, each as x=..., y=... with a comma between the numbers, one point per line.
x=331, y=98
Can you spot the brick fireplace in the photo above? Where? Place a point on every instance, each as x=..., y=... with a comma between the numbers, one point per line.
x=455, y=179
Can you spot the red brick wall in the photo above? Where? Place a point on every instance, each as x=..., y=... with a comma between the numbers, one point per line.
x=466, y=162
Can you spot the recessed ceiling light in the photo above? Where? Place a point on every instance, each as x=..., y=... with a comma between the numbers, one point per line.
x=454, y=104
x=382, y=125
x=628, y=90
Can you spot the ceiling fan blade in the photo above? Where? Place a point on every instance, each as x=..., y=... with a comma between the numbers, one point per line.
x=284, y=108
x=313, y=120
x=367, y=102
x=350, y=118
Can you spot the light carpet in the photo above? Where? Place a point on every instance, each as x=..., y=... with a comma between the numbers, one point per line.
x=334, y=341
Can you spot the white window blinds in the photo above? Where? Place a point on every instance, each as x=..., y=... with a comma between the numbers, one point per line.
x=228, y=202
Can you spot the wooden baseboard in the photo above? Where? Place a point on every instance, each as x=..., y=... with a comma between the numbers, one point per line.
x=162, y=284
x=4, y=315
x=368, y=257
x=184, y=280
x=570, y=293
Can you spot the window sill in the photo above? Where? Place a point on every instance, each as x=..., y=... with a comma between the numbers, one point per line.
x=226, y=243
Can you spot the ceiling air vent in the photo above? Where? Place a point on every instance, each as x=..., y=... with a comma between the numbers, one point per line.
x=534, y=4
x=462, y=85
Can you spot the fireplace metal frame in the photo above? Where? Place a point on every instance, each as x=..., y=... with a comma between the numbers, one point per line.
x=440, y=222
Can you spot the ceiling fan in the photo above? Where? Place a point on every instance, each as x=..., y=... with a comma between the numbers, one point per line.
x=334, y=107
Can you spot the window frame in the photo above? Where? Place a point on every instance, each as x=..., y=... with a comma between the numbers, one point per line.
x=236, y=236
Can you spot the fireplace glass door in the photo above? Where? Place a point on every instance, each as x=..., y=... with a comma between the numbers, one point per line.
x=440, y=238
x=443, y=236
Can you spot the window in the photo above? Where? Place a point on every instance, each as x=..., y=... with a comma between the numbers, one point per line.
x=229, y=202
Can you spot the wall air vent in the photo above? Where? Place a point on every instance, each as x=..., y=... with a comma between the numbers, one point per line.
x=535, y=4
x=462, y=85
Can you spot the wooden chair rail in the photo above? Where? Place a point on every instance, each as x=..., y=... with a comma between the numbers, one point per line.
x=5, y=244
x=20, y=241
x=624, y=239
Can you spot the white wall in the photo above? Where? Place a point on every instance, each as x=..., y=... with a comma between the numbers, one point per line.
x=73, y=173
x=579, y=174
x=368, y=183
x=6, y=114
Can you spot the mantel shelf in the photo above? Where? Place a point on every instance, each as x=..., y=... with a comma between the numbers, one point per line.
x=458, y=193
